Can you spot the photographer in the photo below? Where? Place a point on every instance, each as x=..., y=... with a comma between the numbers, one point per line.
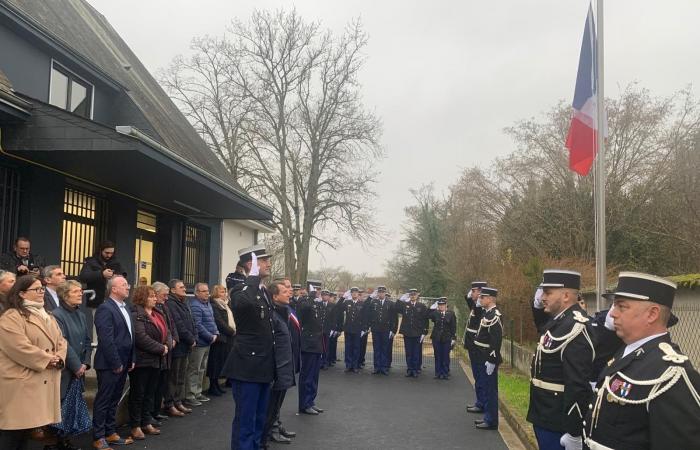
x=98, y=269
x=21, y=261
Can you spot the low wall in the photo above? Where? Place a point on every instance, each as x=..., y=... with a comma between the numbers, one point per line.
x=517, y=356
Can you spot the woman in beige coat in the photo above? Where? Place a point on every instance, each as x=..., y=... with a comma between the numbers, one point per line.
x=32, y=354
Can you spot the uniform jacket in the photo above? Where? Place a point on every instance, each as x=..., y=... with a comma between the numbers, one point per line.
x=10, y=261
x=328, y=316
x=351, y=318
x=233, y=279
x=489, y=336
x=150, y=342
x=252, y=356
x=186, y=332
x=670, y=420
x=381, y=318
x=414, y=321
x=309, y=312
x=115, y=345
x=91, y=275
x=475, y=314
x=29, y=391
x=284, y=354
x=445, y=326
x=204, y=322
x=564, y=360
x=72, y=323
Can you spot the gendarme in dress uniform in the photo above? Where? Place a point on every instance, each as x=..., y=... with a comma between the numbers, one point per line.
x=647, y=396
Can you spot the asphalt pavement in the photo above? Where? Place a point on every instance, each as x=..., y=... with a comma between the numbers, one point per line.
x=362, y=411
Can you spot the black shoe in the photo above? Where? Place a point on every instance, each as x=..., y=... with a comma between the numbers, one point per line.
x=66, y=445
x=474, y=409
x=348, y=370
x=376, y=372
x=160, y=416
x=285, y=433
x=310, y=411
x=277, y=437
x=156, y=423
x=486, y=426
x=478, y=421
x=317, y=409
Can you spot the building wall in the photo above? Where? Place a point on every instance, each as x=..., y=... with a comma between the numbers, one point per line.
x=234, y=237
x=28, y=67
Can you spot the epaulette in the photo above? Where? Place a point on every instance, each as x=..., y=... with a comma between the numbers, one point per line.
x=498, y=313
x=670, y=354
x=580, y=317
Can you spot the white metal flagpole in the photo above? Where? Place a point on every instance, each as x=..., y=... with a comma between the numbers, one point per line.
x=600, y=172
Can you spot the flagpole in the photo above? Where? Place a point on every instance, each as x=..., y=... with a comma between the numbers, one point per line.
x=600, y=172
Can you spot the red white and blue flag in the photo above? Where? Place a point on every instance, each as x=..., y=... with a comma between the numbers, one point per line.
x=583, y=131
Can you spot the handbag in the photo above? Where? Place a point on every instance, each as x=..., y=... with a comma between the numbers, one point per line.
x=75, y=418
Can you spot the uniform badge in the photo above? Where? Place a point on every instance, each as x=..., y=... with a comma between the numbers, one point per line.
x=670, y=354
x=547, y=341
x=625, y=389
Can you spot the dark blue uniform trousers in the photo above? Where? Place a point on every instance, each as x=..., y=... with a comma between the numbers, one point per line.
x=548, y=439
x=479, y=372
x=325, y=362
x=391, y=350
x=251, y=412
x=491, y=404
x=110, y=386
x=352, y=350
x=308, y=379
x=441, y=350
x=332, y=350
x=414, y=348
x=363, y=348
x=380, y=350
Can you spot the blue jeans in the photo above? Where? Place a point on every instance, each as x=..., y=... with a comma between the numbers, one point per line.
x=251, y=412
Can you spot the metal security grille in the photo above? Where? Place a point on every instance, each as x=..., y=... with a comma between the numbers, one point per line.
x=195, y=255
x=9, y=205
x=84, y=224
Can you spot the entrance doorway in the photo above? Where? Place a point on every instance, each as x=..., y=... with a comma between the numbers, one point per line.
x=145, y=248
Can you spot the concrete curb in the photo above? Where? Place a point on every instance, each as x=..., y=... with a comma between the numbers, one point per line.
x=513, y=434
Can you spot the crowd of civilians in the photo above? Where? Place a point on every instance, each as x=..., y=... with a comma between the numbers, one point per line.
x=165, y=342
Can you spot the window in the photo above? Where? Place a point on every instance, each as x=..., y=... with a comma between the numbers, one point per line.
x=195, y=258
x=84, y=225
x=70, y=92
x=9, y=205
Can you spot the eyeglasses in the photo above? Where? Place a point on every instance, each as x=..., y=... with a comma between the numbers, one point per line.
x=37, y=290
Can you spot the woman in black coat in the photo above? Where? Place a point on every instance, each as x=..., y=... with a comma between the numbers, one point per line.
x=227, y=330
x=152, y=338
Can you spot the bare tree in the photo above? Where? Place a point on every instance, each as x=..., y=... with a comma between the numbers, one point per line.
x=297, y=129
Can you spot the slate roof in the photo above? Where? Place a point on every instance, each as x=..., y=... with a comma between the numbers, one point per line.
x=78, y=26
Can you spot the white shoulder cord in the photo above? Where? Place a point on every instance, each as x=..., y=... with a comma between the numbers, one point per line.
x=577, y=329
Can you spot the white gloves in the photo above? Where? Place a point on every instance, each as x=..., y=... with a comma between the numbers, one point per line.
x=478, y=302
x=422, y=338
x=490, y=367
x=570, y=442
x=452, y=343
x=538, y=299
x=609, y=322
x=391, y=334
x=404, y=297
x=434, y=305
x=254, y=268
x=362, y=334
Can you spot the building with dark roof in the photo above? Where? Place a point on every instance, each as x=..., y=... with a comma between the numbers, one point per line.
x=92, y=148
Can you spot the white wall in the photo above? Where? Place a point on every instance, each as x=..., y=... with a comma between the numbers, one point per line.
x=234, y=237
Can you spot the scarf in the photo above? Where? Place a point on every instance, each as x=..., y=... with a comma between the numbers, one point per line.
x=37, y=308
x=229, y=314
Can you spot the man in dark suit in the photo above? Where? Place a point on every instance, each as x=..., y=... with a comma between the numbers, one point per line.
x=113, y=359
x=414, y=328
x=251, y=363
x=53, y=276
x=21, y=260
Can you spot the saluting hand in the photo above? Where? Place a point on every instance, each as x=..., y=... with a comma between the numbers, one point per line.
x=254, y=268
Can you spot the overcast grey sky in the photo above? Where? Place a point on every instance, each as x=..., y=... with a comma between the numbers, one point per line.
x=446, y=76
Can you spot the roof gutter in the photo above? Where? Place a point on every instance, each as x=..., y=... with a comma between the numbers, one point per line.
x=139, y=135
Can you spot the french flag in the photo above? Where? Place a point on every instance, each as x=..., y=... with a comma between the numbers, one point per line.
x=583, y=131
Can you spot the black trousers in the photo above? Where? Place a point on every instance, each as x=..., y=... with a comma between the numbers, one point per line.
x=160, y=391
x=14, y=439
x=143, y=382
x=273, y=411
